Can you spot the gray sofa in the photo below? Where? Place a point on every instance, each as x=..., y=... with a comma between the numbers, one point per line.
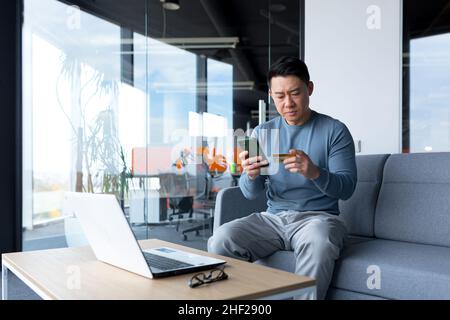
x=399, y=229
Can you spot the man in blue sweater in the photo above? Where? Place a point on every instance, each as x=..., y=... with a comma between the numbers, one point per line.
x=303, y=190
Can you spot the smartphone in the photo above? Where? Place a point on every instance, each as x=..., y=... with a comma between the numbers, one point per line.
x=252, y=146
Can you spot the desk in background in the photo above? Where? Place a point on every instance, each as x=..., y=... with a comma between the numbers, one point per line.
x=156, y=207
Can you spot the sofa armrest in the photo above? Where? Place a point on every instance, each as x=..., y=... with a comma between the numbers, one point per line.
x=231, y=204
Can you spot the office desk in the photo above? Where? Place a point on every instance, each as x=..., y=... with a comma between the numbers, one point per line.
x=74, y=273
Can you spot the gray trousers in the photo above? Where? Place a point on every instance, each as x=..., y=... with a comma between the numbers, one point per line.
x=315, y=237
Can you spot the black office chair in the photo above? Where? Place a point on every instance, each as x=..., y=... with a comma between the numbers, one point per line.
x=176, y=189
x=203, y=203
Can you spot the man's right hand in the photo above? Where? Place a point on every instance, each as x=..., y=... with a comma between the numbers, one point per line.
x=252, y=166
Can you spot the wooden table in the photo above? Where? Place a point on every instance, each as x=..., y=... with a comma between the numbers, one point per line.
x=75, y=273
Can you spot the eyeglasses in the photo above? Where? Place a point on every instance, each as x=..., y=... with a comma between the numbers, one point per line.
x=202, y=278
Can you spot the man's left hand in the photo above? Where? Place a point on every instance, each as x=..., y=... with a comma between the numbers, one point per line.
x=302, y=164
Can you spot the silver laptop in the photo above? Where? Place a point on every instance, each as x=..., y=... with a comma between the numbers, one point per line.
x=112, y=240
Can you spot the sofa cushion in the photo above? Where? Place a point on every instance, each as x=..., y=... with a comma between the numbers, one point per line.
x=338, y=294
x=414, y=200
x=285, y=260
x=358, y=211
x=407, y=270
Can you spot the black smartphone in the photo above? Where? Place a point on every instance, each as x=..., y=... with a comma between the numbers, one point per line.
x=252, y=146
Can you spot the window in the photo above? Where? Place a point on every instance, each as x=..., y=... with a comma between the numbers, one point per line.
x=220, y=109
x=111, y=104
x=430, y=94
x=80, y=119
x=426, y=77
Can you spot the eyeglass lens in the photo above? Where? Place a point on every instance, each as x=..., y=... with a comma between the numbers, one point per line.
x=202, y=278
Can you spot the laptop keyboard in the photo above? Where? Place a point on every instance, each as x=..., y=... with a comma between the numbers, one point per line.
x=163, y=263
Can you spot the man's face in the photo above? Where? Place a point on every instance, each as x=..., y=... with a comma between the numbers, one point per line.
x=291, y=97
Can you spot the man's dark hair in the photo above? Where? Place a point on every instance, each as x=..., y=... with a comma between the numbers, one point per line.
x=288, y=66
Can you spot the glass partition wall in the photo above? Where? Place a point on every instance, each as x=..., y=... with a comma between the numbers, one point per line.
x=136, y=100
x=77, y=129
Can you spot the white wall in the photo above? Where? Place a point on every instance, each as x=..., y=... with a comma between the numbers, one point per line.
x=353, y=51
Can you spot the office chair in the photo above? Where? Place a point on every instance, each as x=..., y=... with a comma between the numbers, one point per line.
x=203, y=202
x=177, y=191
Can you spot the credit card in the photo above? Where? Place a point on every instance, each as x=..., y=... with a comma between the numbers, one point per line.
x=280, y=157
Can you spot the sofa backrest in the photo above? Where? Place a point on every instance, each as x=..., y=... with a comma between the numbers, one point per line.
x=414, y=200
x=358, y=211
x=231, y=204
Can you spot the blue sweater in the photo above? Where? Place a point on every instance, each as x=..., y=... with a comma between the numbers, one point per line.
x=330, y=146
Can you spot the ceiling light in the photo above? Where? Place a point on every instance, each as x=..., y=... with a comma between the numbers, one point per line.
x=202, y=42
x=277, y=7
x=171, y=4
